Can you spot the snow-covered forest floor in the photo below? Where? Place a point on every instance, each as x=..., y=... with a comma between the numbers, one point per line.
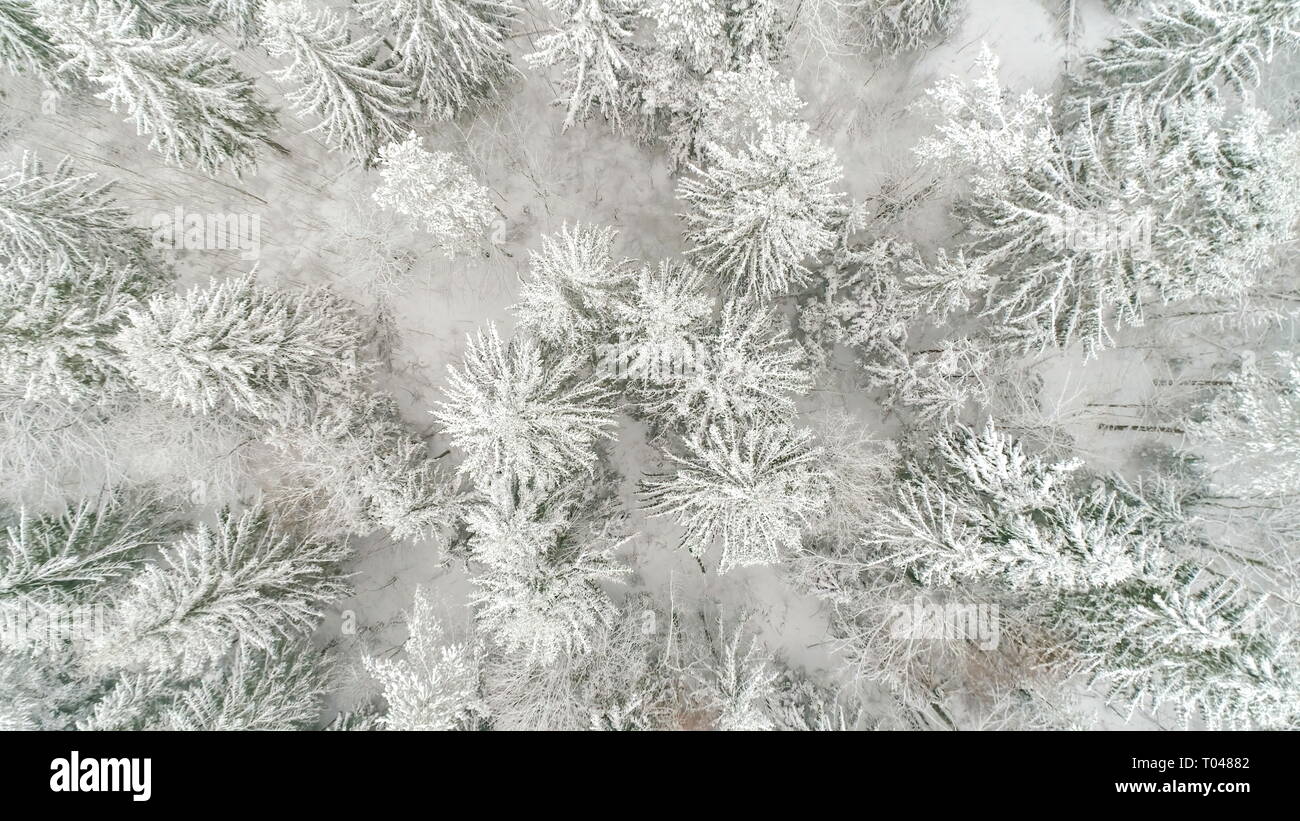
x=1121, y=411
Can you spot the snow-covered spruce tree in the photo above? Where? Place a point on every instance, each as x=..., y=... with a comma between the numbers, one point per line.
x=896, y=26
x=573, y=286
x=187, y=15
x=49, y=217
x=642, y=328
x=940, y=383
x=983, y=126
x=362, y=103
x=124, y=701
x=883, y=625
x=41, y=690
x=243, y=17
x=862, y=300
x=547, y=604
x=349, y=466
x=756, y=30
x=59, y=317
x=280, y=689
x=693, y=45
x=756, y=215
x=622, y=682
x=364, y=718
x=1126, y=6
x=730, y=108
x=76, y=581
x=752, y=489
x=185, y=95
x=70, y=266
x=435, y=192
x=593, y=48
x=26, y=47
x=511, y=411
x=245, y=581
x=693, y=31
x=1072, y=232
x=1251, y=431
x=976, y=506
x=735, y=680
x=744, y=370
x=658, y=325
x=1224, y=188
x=706, y=36
x=283, y=688
x=436, y=684
x=1184, y=50
x=453, y=51
x=57, y=324
x=51, y=561
x=1205, y=647
x=240, y=346
x=545, y=552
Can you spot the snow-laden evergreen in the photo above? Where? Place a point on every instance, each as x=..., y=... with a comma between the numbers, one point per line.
x=350, y=466
x=246, y=580
x=752, y=490
x=115, y=622
x=593, y=48
x=281, y=689
x=361, y=101
x=52, y=561
x=624, y=681
x=71, y=267
x=436, y=684
x=1188, y=49
x=184, y=94
x=1207, y=648
x=53, y=216
x=759, y=213
x=453, y=51
x=745, y=369
x=976, y=505
x=694, y=30
x=573, y=284
x=660, y=326
x=1006, y=439
x=735, y=679
x=244, y=17
x=729, y=108
x=58, y=324
x=26, y=47
x=1079, y=233
x=240, y=346
x=545, y=552
x=511, y=412
x=1251, y=430
x=895, y=26
x=187, y=15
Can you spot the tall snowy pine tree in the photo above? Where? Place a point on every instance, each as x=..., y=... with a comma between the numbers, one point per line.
x=362, y=102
